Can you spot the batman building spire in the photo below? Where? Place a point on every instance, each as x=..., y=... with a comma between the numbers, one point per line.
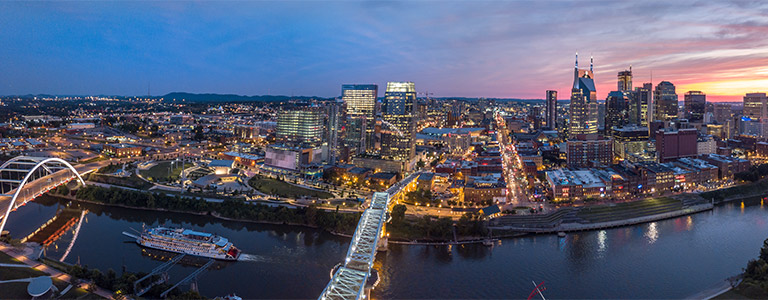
x=576, y=72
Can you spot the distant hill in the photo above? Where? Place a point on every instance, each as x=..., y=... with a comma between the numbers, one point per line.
x=231, y=97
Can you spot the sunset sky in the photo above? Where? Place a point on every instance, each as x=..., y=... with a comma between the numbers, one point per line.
x=504, y=49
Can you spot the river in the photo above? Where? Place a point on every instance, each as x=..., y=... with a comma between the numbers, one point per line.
x=673, y=258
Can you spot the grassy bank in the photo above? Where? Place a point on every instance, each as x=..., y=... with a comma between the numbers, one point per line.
x=628, y=210
x=162, y=171
x=281, y=188
x=132, y=181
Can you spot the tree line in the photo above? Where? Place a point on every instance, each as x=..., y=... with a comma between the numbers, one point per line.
x=233, y=208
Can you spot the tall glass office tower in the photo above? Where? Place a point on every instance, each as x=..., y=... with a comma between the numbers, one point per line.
x=398, y=124
x=360, y=103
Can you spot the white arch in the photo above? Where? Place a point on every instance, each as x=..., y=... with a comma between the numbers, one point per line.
x=18, y=158
x=26, y=178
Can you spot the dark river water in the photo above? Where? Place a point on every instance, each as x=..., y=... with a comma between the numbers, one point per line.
x=674, y=258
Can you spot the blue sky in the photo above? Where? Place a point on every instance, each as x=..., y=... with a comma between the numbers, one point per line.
x=449, y=48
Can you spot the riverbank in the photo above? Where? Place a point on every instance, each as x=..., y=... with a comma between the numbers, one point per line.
x=606, y=216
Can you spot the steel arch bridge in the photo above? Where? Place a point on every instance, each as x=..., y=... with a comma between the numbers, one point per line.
x=37, y=174
x=349, y=281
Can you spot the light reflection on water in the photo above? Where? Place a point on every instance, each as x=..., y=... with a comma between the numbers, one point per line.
x=601, y=237
x=652, y=234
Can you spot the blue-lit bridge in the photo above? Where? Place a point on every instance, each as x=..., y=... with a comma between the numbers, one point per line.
x=351, y=278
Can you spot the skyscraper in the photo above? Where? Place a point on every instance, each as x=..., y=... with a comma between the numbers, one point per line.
x=398, y=124
x=640, y=108
x=333, y=113
x=625, y=80
x=551, y=110
x=360, y=102
x=583, y=108
x=300, y=126
x=723, y=112
x=616, y=111
x=665, y=101
x=755, y=105
x=694, y=103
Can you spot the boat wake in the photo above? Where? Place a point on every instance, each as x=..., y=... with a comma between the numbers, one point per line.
x=253, y=258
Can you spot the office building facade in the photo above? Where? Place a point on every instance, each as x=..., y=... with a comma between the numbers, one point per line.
x=551, y=110
x=675, y=144
x=398, y=121
x=300, y=125
x=625, y=81
x=589, y=150
x=640, y=108
x=616, y=111
x=360, y=116
x=695, y=103
x=665, y=101
x=755, y=106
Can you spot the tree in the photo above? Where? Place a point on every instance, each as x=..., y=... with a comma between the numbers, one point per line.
x=764, y=251
x=398, y=213
x=420, y=164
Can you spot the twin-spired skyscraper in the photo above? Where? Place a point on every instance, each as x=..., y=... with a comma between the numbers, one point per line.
x=583, y=111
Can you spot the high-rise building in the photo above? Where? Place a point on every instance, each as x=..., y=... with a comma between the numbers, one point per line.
x=583, y=107
x=300, y=125
x=398, y=124
x=551, y=111
x=695, y=103
x=360, y=102
x=640, y=108
x=755, y=106
x=616, y=111
x=589, y=150
x=723, y=112
x=665, y=101
x=333, y=115
x=625, y=80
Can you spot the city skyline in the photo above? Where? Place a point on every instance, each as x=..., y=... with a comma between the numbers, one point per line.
x=497, y=50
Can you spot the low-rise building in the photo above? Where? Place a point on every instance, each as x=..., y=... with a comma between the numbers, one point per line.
x=383, y=179
x=425, y=181
x=727, y=165
x=482, y=189
x=123, y=150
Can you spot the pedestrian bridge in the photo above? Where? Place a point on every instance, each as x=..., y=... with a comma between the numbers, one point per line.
x=24, y=178
x=349, y=281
